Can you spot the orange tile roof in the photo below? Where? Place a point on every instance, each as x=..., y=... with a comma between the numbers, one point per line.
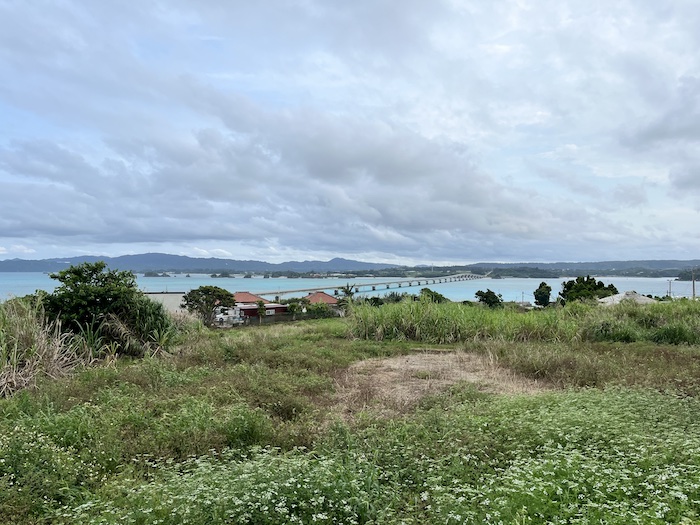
x=321, y=297
x=247, y=297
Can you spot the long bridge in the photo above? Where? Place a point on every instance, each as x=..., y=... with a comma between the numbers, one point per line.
x=386, y=285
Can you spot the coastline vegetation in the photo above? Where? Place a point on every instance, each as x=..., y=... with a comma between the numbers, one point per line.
x=665, y=322
x=245, y=426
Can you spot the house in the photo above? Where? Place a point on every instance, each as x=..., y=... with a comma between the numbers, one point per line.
x=248, y=298
x=251, y=310
x=322, y=297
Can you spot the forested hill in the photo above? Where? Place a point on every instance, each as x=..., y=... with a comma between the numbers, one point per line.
x=179, y=263
x=161, y=262
x=611, y=265
x=641, y=268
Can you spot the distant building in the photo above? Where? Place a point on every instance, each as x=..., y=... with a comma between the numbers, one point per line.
x=322, y=297
x=248, y=298
x=251, y=310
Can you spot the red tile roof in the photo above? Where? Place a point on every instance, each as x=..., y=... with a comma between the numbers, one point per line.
x=247, y=297
x=321, y=297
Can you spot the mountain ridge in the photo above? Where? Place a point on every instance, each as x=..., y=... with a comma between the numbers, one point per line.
x=181, y=263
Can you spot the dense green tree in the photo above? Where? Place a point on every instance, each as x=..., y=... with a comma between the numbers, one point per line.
x=489, y=298
x=543, y=294
x=427, y=294
x=202, y=301
x=375, y=300
x=106, y=308
x=588, y=288
x=319, y=310
x=89, y=292
x=395, y=297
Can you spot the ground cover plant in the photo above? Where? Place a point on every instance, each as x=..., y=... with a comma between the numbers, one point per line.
x=245, y=426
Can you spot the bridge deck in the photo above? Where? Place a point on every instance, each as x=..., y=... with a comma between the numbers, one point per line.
x=387, y=285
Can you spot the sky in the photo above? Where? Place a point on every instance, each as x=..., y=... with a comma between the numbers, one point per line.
x=412, y=132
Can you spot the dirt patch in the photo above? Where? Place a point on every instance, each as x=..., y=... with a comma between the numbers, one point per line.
x=395, y=385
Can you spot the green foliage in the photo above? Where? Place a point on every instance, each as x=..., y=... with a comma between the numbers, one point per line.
x=542, y=294
x=238, y=426
x=581, y=289
x=426, y=294
x=264, y=488
x=202, y=301
x=617, y=456
x=489, y=298
x=675, y=322
x=88, y=293
x=395, y=297
x=261, y=310
x=689, y=274
x=31, y=346
x=348, y=291
x=106, y=309
x=319, y=311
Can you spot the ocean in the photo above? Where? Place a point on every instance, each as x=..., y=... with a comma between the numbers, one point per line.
x=17, y=284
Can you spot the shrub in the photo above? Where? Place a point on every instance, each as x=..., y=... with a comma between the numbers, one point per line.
x=202, y=301
x=108, y=311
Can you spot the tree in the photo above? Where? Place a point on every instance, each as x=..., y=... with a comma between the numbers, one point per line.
x=319, y=310
x=432, y=296
x=261, y=311
x=107, y=309
x=345, y=301
x=293, y=307
x=203, y=300
x=542, y=294
x=89, y=292
x=587, y=288
x=489, y=298
x=395, y=297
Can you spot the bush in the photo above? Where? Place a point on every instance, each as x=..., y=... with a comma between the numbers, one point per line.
x=202, y=301
x=106, y=309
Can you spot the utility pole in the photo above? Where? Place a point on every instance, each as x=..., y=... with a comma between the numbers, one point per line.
x=692, y=276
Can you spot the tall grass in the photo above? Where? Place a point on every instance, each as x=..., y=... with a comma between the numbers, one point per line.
x=669, y=322
x=31, y=346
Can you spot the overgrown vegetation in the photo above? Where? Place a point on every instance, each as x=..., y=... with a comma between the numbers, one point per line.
x=94, y=314
x=242, y=426
x=676, y=322
x=588, y=288
x=108, y=311
x=32, y=346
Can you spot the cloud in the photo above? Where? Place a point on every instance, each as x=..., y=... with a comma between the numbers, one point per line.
x=685, y=179
x=446, y=131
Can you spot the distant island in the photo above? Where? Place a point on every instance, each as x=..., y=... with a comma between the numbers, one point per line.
x=165, y=265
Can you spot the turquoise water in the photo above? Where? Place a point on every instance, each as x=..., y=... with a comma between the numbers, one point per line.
x=17, y=284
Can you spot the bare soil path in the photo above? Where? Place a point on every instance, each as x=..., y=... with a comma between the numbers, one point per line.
x=395, y=385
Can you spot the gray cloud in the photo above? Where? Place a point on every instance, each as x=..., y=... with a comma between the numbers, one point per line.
x=418, y=132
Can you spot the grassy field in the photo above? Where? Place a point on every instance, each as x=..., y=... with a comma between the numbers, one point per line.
x=250, y=425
